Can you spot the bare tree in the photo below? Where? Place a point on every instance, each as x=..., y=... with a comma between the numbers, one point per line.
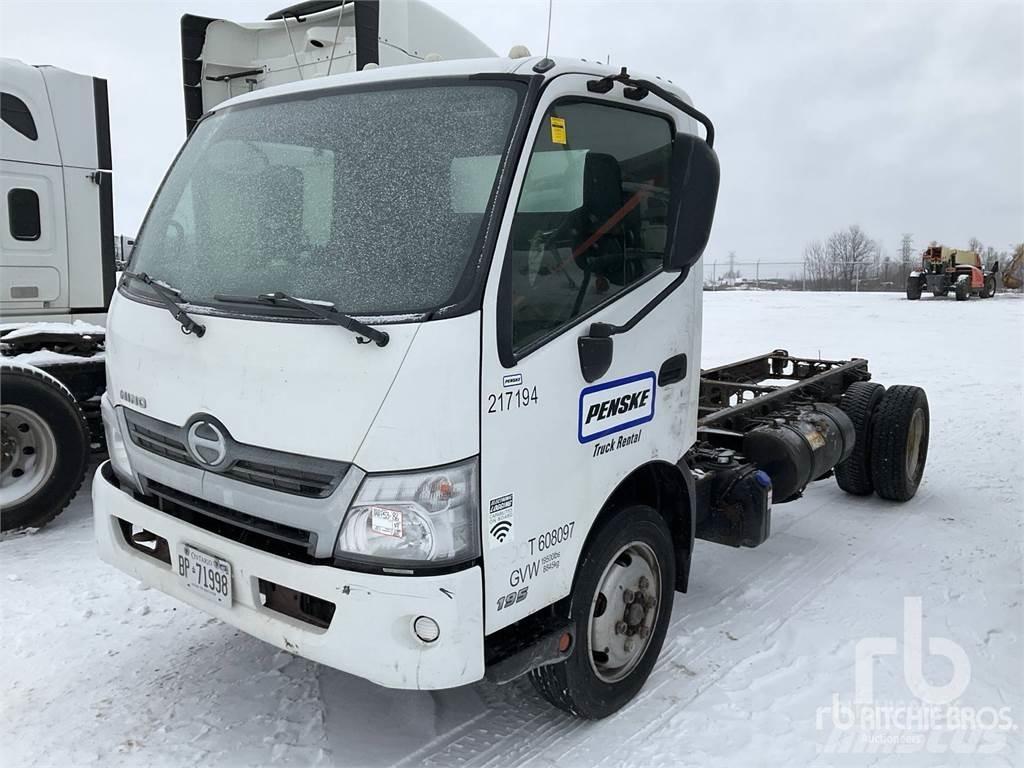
x=850, y=251
x=991, y=256
x=816, y=266
x=975, y=245
x=842, y=259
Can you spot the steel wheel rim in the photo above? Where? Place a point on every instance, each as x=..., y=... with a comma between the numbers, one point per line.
x=624, y=611
x=28, y=454
x=914, y=434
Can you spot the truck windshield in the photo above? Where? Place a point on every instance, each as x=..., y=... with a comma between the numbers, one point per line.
x=371, y=200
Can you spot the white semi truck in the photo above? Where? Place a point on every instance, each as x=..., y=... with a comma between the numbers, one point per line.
x=404, y=377
x=57, y=272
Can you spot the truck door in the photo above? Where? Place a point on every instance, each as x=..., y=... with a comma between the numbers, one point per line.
x=582, y=241
x=33, y=236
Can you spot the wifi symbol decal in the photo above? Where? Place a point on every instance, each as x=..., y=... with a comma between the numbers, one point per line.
x=500, y=529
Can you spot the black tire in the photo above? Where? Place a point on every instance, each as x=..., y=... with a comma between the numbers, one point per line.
x=859, y=402
x=988, y=290
x=574, y=684
x=899, y=442
x=914, y=286
x=27, y=391
x=963, y=290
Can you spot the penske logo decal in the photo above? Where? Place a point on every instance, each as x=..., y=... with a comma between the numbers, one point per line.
x=616, y=405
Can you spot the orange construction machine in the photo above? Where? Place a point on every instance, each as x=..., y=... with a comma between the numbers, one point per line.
x=952, y=269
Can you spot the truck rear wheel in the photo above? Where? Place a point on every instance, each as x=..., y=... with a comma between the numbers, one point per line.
x=621, y=604
x=899, y=443
x=859, y=402
x=44, y=448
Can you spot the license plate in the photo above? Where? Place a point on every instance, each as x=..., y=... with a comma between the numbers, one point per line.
x=204, y=573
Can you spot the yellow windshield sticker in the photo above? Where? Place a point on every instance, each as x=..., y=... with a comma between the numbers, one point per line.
x=558, y=130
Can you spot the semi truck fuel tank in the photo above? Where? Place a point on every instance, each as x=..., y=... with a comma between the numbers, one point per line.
x=798, y=446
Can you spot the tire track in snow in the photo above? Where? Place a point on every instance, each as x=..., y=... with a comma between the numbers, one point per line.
x=691, y=649
x=519, y=727
x=515, y=709
x=649, y=708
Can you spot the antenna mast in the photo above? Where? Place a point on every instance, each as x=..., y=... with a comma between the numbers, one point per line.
x=547, y=44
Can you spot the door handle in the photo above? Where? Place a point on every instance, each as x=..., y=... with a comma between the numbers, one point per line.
x=672, y=370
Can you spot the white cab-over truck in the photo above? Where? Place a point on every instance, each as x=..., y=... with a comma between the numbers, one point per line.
x=404, y=377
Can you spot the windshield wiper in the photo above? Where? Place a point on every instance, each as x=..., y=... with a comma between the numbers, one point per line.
x=171, y=299
x=323, y=310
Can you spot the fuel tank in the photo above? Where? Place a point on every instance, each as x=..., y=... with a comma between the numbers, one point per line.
x=798, y=446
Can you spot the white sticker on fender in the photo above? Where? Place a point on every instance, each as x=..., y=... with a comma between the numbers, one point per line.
x=616, y=405
x=499, y=521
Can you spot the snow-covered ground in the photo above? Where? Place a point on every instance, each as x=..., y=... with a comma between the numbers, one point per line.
x=96, y=670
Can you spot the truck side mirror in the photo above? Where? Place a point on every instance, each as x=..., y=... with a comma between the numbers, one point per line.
x=694, y=179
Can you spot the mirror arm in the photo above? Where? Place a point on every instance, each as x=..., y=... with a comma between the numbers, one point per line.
x=607, y=330
x=638, y=87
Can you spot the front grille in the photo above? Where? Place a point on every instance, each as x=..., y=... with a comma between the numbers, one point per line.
x=284, y=479
x=279, y=471
x=161, y=445
x=265, y=535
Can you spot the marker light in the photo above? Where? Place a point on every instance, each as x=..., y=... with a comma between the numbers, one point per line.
x=426, y=629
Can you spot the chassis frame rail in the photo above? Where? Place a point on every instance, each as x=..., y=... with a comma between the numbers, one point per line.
x=734, y=398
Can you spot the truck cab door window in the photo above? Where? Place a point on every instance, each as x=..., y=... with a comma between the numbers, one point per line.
x=590, y=221
x=23, y=214
x=16, y=114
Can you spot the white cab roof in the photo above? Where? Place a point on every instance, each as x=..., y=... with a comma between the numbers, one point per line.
x=454, y=68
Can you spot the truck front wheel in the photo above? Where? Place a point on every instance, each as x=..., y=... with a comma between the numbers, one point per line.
x=44, y=448
x=621, y=604
x=899, y=442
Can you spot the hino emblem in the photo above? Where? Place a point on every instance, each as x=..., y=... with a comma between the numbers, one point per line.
x=207, y=443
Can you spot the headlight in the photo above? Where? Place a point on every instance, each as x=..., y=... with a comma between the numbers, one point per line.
x=116, y=450
x=428, y=517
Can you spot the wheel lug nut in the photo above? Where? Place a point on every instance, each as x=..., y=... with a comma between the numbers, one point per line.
x=628, y=645
x=644, y=631
x=650, y=602
x=620, y=627
x=627, y=595
x=644, y=583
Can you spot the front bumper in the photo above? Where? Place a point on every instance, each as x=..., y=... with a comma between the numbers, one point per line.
x=370, y=634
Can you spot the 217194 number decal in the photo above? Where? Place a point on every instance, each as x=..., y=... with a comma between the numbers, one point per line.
x=523, y=397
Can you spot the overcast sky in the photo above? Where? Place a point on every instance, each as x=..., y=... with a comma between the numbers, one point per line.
x=900, y=117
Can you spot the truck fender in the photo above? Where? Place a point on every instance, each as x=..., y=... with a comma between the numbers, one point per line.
x=668, y=488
